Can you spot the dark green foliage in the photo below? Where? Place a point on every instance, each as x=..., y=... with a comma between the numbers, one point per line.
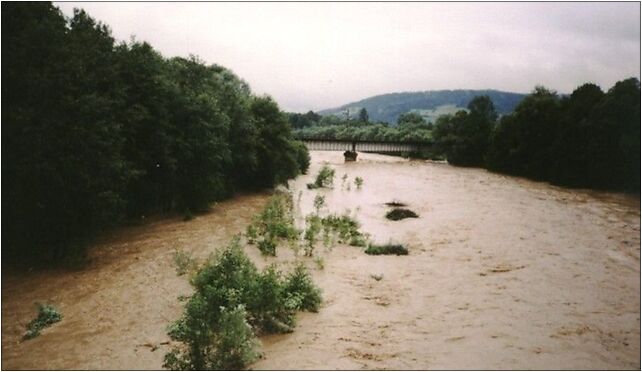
x=47, y=315
x=64, y=172
x=308, y=119
x=400, y=213
x=410, y=118
x=588, y=139
x=231, y=304
x=387, y=249
x=363, y=115
x=97, y=132
x=463, y=137
x=302, y=156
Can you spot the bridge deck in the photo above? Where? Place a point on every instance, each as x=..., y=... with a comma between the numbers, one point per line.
x=364, y=146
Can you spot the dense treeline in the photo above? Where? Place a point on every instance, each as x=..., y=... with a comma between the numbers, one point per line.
x=411, y=127
x=95, y=132
x=588, y=139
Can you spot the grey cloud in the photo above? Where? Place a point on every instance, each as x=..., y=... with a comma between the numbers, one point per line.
x=318, y=55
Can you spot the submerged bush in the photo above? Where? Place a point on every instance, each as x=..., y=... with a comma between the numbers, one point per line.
x=325, y=178
x=387, y=249
x=312, y=230
x=184, y=262
x=358, y=181
x=47, y=315
x=346, y=227
x=400, y=213
x=319, y=202
x=232, y=303
x=302, y=290
x=395, y=203
x=343, y=228
x=275, y=222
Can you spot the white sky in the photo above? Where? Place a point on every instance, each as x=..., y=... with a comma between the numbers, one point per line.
x=322, y=55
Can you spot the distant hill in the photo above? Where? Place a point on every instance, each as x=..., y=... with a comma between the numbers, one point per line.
x=430, y=104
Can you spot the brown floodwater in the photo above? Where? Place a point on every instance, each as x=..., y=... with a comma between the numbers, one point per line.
x=503, y=273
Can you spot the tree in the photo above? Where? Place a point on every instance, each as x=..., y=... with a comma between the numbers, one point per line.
x=363, y=115
x=97, y=132
x=464, y=136
x=410, y=118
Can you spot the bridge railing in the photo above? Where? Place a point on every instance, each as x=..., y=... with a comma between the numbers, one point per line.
x=364, y=145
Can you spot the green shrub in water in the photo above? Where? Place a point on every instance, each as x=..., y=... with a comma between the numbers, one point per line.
x=312, y=230
x=184, y=262
x=319, y=202
x=231, y=304
x=47, y=315
x=400, y=213
x=325, y=178
x=387, y=249
x=358, y=181
x=274, y=223
x=299, y=285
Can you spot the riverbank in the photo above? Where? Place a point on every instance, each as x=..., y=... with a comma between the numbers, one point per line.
x=503, y=273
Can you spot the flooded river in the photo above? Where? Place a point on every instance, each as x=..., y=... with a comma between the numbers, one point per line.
x=503, y=273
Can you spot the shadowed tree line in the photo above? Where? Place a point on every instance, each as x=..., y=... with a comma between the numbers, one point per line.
x=587, y=139
x=97, y=132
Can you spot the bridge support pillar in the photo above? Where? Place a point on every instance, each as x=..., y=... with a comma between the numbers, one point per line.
x=351, y=155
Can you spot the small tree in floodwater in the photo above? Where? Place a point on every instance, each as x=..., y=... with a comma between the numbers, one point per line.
x=231, y=304
x=325, y=178
x=319, y=202
x=47, y=315
x=358, y=181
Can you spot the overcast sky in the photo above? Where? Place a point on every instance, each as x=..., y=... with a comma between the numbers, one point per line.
x=321, y=55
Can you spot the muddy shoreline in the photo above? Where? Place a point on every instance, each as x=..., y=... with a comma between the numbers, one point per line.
x=503, y=273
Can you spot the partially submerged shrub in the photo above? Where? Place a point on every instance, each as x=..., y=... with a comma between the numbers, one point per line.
x=320, y=262
x=400, y=213
x=184, y=262
x=344, y=226
x=358, y=181
x=231, y=304
x=325, y=178
x=299, y=285
x=275, y=222
x=358, y=241
x=267, y=246
x=47, y=315
x=396, y=203
x=319, y=202
x=387, y=249
x=313, y=227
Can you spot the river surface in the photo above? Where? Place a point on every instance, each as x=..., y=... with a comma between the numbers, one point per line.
x=503, y=273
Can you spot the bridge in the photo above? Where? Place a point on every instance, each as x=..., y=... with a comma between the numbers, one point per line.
x=364, y=145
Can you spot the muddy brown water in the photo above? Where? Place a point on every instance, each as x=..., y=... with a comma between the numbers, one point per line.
x=503, y=273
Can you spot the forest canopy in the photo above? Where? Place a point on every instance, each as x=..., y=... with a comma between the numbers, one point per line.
x=97, y=132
